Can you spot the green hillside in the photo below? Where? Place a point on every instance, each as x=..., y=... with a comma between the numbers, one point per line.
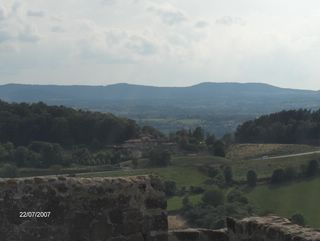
x=302, y=197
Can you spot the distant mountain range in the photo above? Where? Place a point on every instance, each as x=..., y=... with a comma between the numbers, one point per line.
x=219, y=107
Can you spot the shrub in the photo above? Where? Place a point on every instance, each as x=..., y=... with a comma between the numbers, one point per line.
x=228, y=176
x=291, y=173
x=170, y=188
x=186, y=204
x=252, y=178
x=214, y=197
x=159, y=158
x=278, y=176
x=196, y=190
x=236, y=196
x=8, y=171
x=298, y=219
x=312, y=169
x=219, y=149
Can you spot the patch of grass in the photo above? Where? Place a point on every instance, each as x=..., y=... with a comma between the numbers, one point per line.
x=175, y=203
x=183, y=176
x=199, y=160
x=264, y=168
x=251, y=151
x=301, y=197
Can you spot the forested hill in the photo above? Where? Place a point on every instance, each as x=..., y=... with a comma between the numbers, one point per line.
x=218, y=107
x=203, y=91
x=23, y=123
x=293, y=126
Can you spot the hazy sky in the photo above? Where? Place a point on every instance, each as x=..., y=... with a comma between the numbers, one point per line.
x=160, y=42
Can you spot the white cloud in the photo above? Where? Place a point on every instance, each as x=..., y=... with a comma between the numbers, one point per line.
x=228, y=21
x=3, y=13
x=34, y=13
x=169, y=14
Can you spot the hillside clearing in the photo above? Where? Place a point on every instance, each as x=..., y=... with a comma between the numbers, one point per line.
x=253, y=151
x=300, y=197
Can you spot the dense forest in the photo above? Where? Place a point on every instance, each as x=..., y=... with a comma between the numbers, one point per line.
x=41, y=136
x=24, y=123
x=292, y=127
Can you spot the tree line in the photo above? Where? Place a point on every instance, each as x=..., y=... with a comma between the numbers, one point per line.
x=286, y=127
x=23, y=123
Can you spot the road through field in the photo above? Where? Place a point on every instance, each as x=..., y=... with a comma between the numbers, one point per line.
x=285, y=156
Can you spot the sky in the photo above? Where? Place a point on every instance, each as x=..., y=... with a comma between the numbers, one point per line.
x=160, y=42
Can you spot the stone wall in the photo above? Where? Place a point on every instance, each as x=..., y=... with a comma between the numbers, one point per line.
x=270, y=228
x=98, y=209
x=116, y=209
x=198, y=235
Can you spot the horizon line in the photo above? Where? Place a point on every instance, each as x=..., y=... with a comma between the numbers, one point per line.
x=155, y=86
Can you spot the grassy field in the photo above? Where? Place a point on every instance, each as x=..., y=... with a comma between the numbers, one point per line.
x=252, y=151
x=302, y=197
x=185, y=169
x=285, y=200
x=199, y=160
x=183, y=176
x=264, y=168
x=175, y=203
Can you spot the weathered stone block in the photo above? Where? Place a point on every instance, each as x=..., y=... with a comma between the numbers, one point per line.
x=82, y=209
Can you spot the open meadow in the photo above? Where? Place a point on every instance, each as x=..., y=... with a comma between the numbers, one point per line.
x=301, y=197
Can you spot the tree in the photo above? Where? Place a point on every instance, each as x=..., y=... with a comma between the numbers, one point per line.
x=186, y=204
x=198, y=134
x=312, y=169
x=228, y=139
x=170, y=188
x=4, y=154
x=8, y=171
x=278, y=176
x=219, y=149
x=23, y=157
x=81, y=156
x=210, y=140
x=228, y=176
x=236, y=196
x=159, y=158
x=214, y=197
x=252, y=178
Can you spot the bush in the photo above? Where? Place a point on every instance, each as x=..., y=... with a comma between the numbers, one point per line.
x=186, y=204
x=236, y=196
x=212, y=172
x=196, y=190
x=278, y=176
x=8, y=171
x=214, y=197
x=291, y=173
x=23, y=157
x=252, y=178
x=298, y=219
x=312, y=169
x=170, y=188
x=219, y=149
x=228, y=176
x=159, y=158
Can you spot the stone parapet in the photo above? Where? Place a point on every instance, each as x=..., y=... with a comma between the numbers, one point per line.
x=83, y=209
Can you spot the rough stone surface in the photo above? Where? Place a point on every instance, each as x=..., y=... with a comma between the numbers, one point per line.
x=198, y=235
x=116, y=209
x=82, y=209
x=270, y=228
